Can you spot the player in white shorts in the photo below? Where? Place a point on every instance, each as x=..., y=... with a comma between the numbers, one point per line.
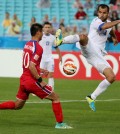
x=93, y=48
x=47, y=61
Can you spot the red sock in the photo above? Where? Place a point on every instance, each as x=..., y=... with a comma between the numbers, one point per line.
x=7, y=105
x=57, y=109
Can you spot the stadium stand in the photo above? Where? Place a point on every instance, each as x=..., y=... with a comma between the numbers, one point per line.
x=25, y=9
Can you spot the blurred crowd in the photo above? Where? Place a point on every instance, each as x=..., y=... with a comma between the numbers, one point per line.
x=13, y=26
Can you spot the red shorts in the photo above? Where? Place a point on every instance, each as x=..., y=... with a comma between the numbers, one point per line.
x=31, y=86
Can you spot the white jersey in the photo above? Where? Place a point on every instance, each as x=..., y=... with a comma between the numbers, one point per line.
x=95, y=49
x=97, y=36
x=47, y=42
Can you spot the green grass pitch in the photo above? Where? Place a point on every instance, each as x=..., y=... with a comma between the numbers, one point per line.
x=37, y=117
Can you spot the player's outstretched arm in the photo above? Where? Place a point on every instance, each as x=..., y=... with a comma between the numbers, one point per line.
x=35, y=74
x=110, y=24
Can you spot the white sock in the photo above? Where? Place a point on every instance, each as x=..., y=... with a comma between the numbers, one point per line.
x=51, y=82
x=71, y=39
x=100, y=89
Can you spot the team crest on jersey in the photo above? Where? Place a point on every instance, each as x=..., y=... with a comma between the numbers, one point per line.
x=47, y=43
x=36, y=57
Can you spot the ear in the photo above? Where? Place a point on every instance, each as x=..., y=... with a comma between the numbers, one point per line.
x=38, y=32
x=97, y=12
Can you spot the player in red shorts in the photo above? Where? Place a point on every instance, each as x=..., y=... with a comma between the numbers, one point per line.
x=31, y=79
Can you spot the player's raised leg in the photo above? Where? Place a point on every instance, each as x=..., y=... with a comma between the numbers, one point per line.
x=83, y=39
x=110, y=78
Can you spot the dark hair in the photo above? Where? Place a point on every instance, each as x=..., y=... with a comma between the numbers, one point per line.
x=103, y=6
x=35, y=28
x=47, y=23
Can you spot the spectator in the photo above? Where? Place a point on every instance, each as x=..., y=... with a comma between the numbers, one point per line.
x=45, y=19
x=118, y=11
x=117, y=32
x=88, y=4
x=16, y=19
x=117, y=2
x=113, y=2
x=81, y=14
x=110, y=11
x=13, y=29
x=96, y=4
x=7, y=21
x=74, y=30
x=43, y=4
x=55, y=24
x=33, y=21
x=77, y=4
x=64, y=31
x=62, y=22
x=84, y=30
x=114, y=17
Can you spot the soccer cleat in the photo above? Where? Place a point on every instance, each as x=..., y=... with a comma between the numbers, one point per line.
x=91, y=103
x=59, y=38
x=62, y=126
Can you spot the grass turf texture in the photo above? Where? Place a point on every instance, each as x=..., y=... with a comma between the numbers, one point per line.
x=37, y=118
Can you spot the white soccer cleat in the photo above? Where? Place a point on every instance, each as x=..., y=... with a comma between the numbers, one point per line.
x=62, y=126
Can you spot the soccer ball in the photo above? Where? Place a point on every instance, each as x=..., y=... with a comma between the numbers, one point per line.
x=69, y=67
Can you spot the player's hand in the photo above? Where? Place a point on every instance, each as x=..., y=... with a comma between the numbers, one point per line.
x=115, y=41
x=43, y=72
x=46, y=72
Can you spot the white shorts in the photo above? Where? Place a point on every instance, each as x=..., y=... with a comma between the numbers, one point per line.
x=99, y=63
x=48, y=65
x=95, y=58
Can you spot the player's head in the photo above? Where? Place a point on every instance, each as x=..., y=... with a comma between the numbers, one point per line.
x=36, y=31
x=47, y=27
x=103, y=12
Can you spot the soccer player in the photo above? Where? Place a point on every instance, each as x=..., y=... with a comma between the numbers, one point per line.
x=31, y=80
x=93, y=49
x=47, y=61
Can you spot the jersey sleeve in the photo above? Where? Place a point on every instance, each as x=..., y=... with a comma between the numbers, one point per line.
x=97, y=24
x=37, y=53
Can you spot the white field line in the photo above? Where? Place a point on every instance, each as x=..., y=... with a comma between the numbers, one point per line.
x=67, y=101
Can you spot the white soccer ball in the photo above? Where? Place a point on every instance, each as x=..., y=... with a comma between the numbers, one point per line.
x=69, y=67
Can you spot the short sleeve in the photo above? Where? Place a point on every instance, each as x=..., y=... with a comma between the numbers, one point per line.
x=37, y=53
x=97, y=24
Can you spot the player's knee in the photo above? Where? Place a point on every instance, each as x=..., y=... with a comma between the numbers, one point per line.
x=55, y=97
x=111, y=78
x=83, y=39
x=18, y=107
x=19, y=104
